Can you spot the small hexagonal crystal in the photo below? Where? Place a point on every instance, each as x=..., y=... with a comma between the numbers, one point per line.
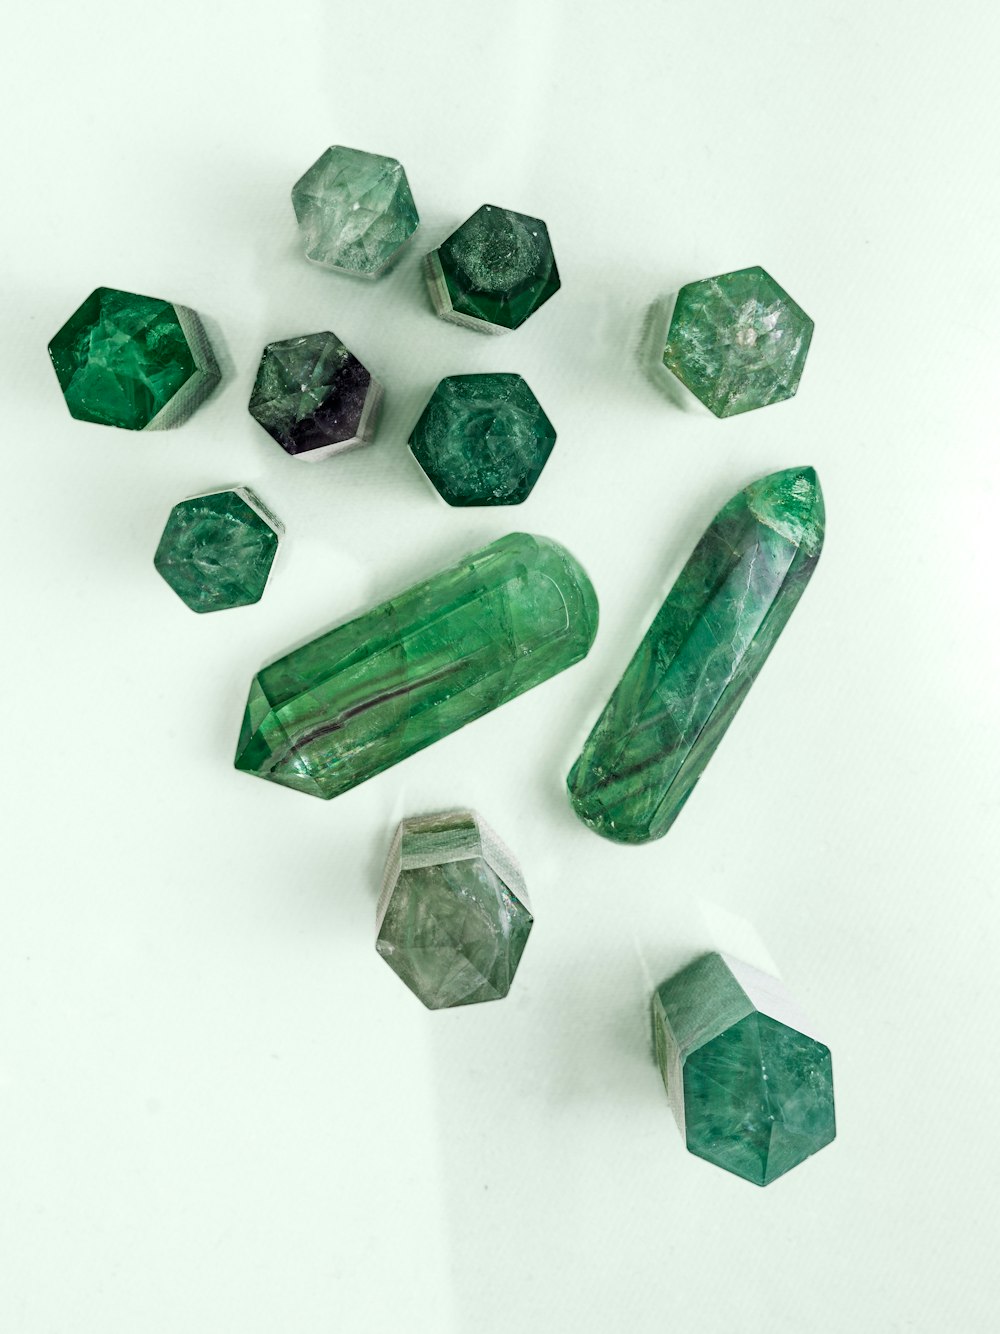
x=354, y=210
x=314, y=396
x=132, y=361
x=453, y=917
x=494, y=271
x=483, y=439
x=217, y=550
x=737, y=341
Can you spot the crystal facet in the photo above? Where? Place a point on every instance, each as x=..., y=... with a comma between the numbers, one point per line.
x=738, y=341
x=453, y=917
x=132, y=361
x=446, y=651
x=699, y=658
x=494, y=271
x=483, y=439
x=751, y=1088
x=217, y=550
x=314, y=396
x=354, y=210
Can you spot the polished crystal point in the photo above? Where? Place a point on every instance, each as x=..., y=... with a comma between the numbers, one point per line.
x=750, y=1085
x=379, y=688
x=217, y=550
x=453, y=917
x=699, y=658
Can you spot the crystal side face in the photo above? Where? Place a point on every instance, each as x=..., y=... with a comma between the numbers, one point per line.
x=699, y=658
x=354, y=211
x=453, y=917
x=750, y=1086
x=132, y=361
x=483, y=439
x=379, y=688
x=738, y=341
x=217, y=550
x=314, y=397
x=493, y=271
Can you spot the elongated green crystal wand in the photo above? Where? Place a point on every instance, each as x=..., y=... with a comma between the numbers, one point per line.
x=699, y=658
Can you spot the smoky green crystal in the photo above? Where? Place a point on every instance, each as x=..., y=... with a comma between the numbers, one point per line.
x=377, y=689
x=217, y=550
x=699, y=658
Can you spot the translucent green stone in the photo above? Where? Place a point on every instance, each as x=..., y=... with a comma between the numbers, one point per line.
x=369, y=693
x=751, y=1089
x=483, y=439
x=217, y=550
x=453, y=917
x=494, y=271
x=132, y=361
x=738, y=341
x=354, y=210
x=699, y=658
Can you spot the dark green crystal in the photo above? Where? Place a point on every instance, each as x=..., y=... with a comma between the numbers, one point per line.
x=217, y=550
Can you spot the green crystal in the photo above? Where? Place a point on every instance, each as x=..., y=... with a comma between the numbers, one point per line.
x=494, y=271
x=354, y=210
x=446, y=651
x=132, y=361
x=217, y=550
x=752, y=1091
x=453, y=917
x=699, y=658
x=738, y=341
x=483, y=439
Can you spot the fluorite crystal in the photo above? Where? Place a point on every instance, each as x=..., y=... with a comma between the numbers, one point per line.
x=738, y=341
x=132, y=361
x=453, y=917
x=446, y=651
x=354, y=210
x=217, y=550
x=483, y=439
x=699, y=658
x=494, y=271
x=751, y=1088
x=315, y=397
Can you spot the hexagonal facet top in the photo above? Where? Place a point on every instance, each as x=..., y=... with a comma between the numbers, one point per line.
x=738, y=341
x=494, y=271
x=314, y=396
x=354, y=210
x=453, y=916
x=483, y=439
x=217, y=550
x=132, y=361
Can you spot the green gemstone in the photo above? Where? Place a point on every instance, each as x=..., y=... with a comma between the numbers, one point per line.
x=132, y=361
x=699, y=658
x=217, y=550
x=738, y=341
x=453, y=917
x=483, y=439
x=354, y=210
x=494, y=271
x=444, y=652
x=752, y=1091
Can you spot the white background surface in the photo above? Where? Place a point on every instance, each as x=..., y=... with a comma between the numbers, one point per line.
x=219, y=1111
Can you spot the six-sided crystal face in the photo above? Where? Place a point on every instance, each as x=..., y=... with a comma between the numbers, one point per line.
x=453, y=917
x=483, y=439
x=314, y=396
x=132, y=361
x=216, y=550
x=354, y=210
x=738, y=341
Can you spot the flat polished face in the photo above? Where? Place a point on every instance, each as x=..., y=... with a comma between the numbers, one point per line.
x=216, y=550
x=497, y=268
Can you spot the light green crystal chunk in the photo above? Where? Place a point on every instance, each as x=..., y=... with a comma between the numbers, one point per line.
x=354, y=210
x=738, y=341
x=699, y=658
x=751, y=1088
x=453, y=917
x=371, y=692
x=217, y=550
